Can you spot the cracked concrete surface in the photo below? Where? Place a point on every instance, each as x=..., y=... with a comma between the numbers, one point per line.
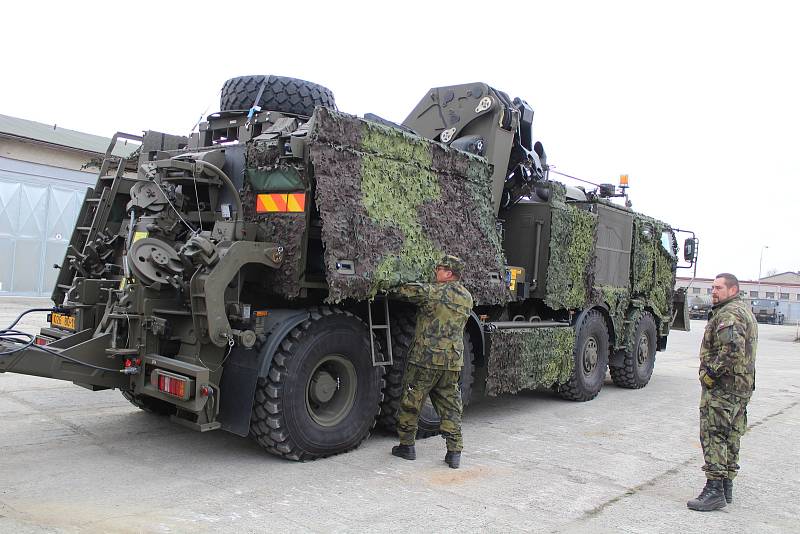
x=79, y=461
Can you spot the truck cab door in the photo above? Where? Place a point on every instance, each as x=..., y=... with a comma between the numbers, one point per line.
x=680, y=310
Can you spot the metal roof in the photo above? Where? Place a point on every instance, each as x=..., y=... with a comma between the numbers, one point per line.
x=53, y=135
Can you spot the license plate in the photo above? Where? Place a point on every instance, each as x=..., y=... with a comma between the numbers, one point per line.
x=63, y=321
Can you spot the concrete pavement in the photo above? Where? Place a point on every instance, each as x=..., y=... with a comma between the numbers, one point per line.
x=79, y=461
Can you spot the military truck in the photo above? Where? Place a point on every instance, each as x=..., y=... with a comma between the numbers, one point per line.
x=237, y=278
x=700, y=307
x=767, y=311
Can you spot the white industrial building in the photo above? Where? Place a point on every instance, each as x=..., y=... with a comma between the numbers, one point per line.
x=44, y=173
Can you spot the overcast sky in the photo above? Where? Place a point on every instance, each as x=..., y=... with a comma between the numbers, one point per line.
x=698, y=102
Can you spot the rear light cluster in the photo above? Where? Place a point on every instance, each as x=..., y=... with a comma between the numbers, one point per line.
x=174, y=385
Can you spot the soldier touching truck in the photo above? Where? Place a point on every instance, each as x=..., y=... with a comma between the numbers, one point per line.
x=435, y=358
x=228, y=279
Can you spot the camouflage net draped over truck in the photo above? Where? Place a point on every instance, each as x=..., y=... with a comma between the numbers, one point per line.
x=617, y=300
x=529, y=358
x=652, y=274
x=570, y=271
x=394, y=204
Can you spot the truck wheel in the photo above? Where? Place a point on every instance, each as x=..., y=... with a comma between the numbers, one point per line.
x=150, y=404
x=637, y=364
x=322, y=392
x=591, y=359
x=282, y=94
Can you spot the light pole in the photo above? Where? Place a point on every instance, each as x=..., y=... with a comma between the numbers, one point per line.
x=760, y=258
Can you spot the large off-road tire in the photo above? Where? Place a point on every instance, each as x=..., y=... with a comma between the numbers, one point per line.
x=638, y=363
x=591, y=359
x=322, y=392
x=403, y=325
x=150, y=404
x=282, y=94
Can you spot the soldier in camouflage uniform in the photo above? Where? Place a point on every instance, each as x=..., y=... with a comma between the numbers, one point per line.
x=727, y=377
x=435, y=358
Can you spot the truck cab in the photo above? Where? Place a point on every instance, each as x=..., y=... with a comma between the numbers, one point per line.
x=767, y=311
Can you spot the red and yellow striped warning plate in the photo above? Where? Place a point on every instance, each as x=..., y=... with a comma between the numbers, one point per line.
x=281, y=202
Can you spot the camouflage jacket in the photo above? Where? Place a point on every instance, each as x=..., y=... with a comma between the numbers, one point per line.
x=443, y=312
x=728, y=351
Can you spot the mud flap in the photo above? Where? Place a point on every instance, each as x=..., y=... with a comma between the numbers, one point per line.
x=236, y=390
x=244, y=367
x=680, y=311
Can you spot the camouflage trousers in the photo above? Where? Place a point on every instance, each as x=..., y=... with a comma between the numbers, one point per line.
x=723, y=421
x=442, y=386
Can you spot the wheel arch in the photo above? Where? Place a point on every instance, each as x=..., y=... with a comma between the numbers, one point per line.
x=661, y=340
x=603, y=309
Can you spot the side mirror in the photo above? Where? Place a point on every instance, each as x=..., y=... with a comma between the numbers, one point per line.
x=689, y=248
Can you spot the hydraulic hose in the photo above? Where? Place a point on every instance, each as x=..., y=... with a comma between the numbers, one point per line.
x=26, y=312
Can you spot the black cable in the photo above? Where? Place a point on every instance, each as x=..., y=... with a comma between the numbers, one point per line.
x=21, y=315
x=7, y=335
x=68, y=358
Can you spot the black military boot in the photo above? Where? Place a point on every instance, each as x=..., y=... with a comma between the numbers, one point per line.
x=405, y=451
x=453, y=459
x=711, y=498
x=727, y=486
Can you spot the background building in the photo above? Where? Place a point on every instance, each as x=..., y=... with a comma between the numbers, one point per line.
x=44, y=173
x=783, y=287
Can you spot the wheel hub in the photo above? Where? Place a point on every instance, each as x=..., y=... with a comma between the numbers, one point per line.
x=590, y=356
x=644, y=349
x=331, y=390
x=323, y=386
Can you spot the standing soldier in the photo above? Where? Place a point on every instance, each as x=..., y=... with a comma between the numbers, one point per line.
x=435, y=358
x=727, y=377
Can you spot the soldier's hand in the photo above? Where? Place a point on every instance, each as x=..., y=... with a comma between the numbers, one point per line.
x=707, y=378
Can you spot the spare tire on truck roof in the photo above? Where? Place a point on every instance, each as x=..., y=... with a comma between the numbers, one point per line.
x=282, y=94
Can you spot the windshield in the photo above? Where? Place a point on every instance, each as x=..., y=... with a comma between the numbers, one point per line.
x=669, y=242
x=764, y=303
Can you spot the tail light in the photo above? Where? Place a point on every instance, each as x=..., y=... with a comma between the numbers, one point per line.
x=175, y=385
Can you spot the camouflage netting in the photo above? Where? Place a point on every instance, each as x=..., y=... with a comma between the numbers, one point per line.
x=652, y=266
x=286, y=229
x=528, y=358
x=570, y=271
x=394, y=204
x=617, y=299
x=261, y=154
